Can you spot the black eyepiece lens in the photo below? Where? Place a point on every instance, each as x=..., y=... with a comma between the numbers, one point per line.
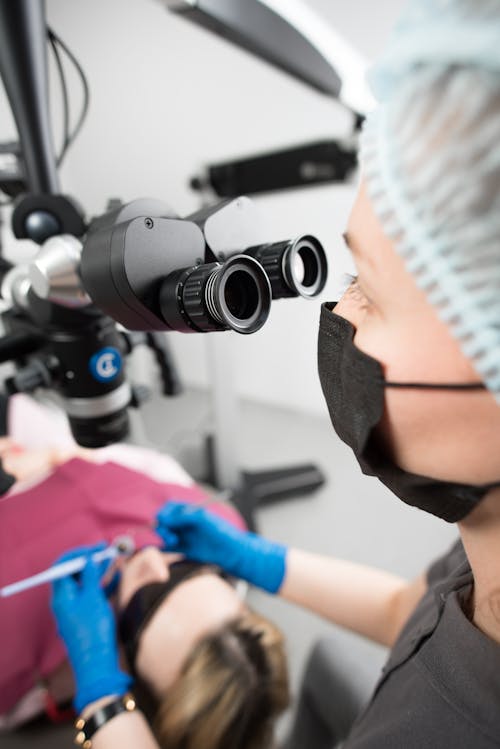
x=241, y=295
x=307, y=260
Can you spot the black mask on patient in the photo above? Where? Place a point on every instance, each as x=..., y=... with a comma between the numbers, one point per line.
x=353, y=385
x=137, y=614
x=145, y=602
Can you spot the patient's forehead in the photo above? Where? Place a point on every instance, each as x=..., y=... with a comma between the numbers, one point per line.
x=201, y=605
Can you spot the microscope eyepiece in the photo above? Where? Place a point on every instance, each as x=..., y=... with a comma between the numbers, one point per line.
x=239, y=295
x=235, y=295
x=296, y=267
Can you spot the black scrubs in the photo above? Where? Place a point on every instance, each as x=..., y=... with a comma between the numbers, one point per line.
x=440, y=687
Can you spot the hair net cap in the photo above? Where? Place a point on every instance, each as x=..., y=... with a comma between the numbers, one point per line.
x=431, y=160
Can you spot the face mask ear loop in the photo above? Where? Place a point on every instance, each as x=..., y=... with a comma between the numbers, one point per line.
x=435, y=386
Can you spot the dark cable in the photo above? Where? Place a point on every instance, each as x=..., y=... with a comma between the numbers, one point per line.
x=86, y=92
x=68, y=138
x=64, y=92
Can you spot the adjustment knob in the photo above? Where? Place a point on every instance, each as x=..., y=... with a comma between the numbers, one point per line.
x=55, y=272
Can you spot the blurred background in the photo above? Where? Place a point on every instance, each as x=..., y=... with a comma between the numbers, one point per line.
x=168, y=97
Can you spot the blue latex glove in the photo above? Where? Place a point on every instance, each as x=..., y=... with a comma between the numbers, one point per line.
x=206, y=538
x=86, y=623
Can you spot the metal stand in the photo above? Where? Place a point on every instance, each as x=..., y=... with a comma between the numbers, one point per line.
x=248, y=489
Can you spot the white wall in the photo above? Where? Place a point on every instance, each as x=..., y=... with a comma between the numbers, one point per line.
x=167, y=97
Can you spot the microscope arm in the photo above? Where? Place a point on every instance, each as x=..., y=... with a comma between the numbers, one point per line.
x=289, y=35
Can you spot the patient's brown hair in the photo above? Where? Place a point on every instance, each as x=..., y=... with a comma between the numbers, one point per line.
x=230, y=690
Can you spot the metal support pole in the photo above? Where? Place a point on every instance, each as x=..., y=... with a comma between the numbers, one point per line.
x=224, y=444
x=23, y=67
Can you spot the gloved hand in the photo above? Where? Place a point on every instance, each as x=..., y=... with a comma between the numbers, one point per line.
x=86, y=623
x=203, y=537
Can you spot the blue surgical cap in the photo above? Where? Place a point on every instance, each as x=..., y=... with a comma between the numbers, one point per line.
x=430, y=155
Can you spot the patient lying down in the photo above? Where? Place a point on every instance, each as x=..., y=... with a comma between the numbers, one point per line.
x=208, y=671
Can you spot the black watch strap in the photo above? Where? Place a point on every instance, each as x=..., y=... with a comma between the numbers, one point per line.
x=87, y=727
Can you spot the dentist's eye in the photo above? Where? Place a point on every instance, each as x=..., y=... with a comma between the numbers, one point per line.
x=346, y=280
x=357, y=292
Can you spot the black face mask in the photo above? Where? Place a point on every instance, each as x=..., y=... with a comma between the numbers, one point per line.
x=145, y=602
x=353, y=385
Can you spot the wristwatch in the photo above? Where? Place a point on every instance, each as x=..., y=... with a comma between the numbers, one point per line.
x=87, y=727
